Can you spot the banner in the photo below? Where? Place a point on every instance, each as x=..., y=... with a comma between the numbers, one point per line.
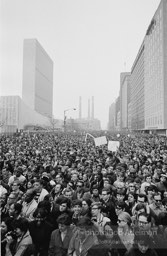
x=87, y=136
x=100, y=141
x=113, y=145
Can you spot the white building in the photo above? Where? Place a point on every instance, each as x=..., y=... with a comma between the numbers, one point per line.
x=16, y=115
x=37, y=88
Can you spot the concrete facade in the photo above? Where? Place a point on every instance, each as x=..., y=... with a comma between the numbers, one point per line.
x=37, y=88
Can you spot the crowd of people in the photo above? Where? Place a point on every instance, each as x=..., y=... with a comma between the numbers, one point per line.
x=61, y=195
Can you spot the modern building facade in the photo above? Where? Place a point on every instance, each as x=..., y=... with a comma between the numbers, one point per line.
x=137, y=83
x=124, y=92
x=37, y=87
x=147, y=101
x=16, y=115
x=155, y=59
x=111, y=123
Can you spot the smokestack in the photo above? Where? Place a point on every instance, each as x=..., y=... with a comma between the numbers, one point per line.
x=80, y=107
x=88, y=108
x=92, y=107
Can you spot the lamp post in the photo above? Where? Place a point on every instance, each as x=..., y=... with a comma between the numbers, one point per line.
x=65, y=117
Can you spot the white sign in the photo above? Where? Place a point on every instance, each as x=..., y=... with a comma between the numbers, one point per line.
x=100, y=141
x=113, y=145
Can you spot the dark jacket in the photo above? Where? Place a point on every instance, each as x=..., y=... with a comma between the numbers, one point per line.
x=57, y=246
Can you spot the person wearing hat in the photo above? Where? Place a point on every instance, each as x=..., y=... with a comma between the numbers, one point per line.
x=161, y=185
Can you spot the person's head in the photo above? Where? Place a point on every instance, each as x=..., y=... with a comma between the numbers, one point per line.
x=150, y=190
x=40, y=215
x=157, y=199
x=120, y=176
x=29, y=195
x=58, y=188
x=143, y=242
x=64, y=203
x=68, y=193
x=18, y=172
x=38, y=185
x=131, y=197
x=164, y=202
x=148, y=178
x=84, y=225
x=163, y=178
x=105, y=194
x=120, y=207
x=12, y=198
x=59, y=179
x=74, y=177
x=85, y=177
x=120, y=196
x=15, y=209
x=131, y=187
x=15, y=185
x=86, y=203
x=95, y=190
x=141, y=198
x=6, y=225
x=96, y=208
x=165, y=194
x=30, y=184
x=63, y=222
x=80, y=185
x=140, y=208
x=144, y=221
x=77, y=206
x=124, y=219
x=21, y=226
x=137, y=182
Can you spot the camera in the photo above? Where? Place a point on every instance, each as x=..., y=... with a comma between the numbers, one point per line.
x=12, y=234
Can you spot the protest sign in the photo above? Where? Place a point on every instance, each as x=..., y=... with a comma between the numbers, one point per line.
x=100, y=141
x=113, y=145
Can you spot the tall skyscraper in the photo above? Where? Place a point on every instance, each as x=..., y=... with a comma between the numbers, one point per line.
x=37, y=88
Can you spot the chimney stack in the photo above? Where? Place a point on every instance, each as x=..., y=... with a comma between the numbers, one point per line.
x=88, y=108
x=80, y=107
x=92, y=117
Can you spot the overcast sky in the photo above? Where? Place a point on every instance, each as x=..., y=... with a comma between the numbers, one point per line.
x=90, y=42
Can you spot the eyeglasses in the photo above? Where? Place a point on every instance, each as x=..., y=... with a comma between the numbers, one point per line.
x=120, y=220
x=158, y=200
x=94, y=209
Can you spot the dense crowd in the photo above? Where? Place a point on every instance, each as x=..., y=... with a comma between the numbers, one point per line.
x=63, y=196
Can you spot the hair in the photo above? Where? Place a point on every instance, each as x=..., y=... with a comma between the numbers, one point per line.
x=77, y=202
x=63, y=200
x=85, y=222
x=106, y=190
x=45, y=204
x=148, y=216
x=142, y=238
x=140, y=206
x=8, y=221
x=21, y=223
x=18, y=207
x=64, y=219
x=87, y=200
x=97, y=204
x=126, y=216
x=143, y=195
x=122, y=205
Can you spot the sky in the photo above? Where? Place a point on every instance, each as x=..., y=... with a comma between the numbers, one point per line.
x=90, y=42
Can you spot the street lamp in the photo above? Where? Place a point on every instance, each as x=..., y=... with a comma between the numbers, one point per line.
x=65, y=117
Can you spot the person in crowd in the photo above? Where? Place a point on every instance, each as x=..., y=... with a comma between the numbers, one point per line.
x=29, y=204
x=16, y=189
x=86, y=207
x=60, y=238
x=40, y=191
x=40, y=231
x=142, y=246
x=156, y=207
x=19, y=243
x=130, y=202
x=124, y=238
x=76, y=209
x=95, y=197
x=6, y=227
x=83, y=239
x=17, y=176
x=15, y=211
